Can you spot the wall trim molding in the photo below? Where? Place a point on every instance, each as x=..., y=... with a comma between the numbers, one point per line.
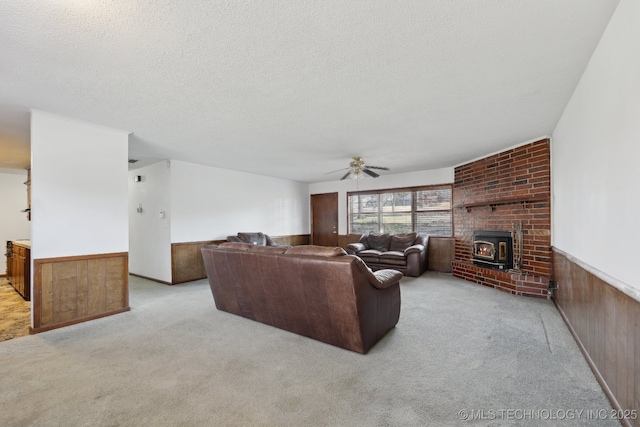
x=150, y=278
x=33, y=330
x=81, y=257
x=619, y=285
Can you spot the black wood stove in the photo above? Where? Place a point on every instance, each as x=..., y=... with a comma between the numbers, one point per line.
x=493, y=249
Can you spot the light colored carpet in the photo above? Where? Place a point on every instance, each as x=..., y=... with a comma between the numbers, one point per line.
x=15, y=312
x=175, y=360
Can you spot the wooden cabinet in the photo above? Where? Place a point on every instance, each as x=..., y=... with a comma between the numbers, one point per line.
x=21, y=270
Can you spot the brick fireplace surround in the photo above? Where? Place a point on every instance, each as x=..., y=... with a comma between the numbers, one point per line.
x=497, y=193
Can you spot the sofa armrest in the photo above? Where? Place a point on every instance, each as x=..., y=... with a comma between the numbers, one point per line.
x=381, y=279
x=422, y=239
x=413, y=249
x=354, y=248
x=386, y=278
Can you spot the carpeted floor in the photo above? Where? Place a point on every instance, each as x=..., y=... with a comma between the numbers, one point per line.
x=15, y=312
x=461, y=354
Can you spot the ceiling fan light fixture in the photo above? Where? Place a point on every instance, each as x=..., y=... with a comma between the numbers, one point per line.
x=358, y=169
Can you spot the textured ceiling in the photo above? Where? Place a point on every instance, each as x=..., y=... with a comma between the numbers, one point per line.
x=294, y=88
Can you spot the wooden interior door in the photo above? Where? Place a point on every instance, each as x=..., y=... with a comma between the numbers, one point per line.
x=324, y=219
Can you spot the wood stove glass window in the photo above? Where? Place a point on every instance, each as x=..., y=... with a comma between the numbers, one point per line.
x=482, y=249
x=502, y=252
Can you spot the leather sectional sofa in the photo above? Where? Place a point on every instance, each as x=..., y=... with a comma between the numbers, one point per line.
x=406, y=253
x=319, y=292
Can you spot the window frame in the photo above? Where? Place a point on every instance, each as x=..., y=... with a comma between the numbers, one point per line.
x=413, y=211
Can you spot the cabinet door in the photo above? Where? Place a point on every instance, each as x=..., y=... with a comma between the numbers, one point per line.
x=26, y=283
x=21, y=275
x=16, y=271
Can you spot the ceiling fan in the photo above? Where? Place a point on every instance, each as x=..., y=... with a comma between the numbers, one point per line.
x=356, y=169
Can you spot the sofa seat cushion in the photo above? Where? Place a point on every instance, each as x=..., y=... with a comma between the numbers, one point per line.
x=369, y=255
x=371, y=252
x=393, y=258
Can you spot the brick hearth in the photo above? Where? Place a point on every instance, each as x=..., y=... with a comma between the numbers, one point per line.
x=496, y=193
x=514, y=283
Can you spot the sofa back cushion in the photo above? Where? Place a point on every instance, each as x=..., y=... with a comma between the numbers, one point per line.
x=379, y=242
x=316, y=251
x=268, y=249
x=400, y=242
x=236, y=245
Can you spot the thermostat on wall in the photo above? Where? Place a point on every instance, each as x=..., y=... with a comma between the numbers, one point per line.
x=137, y=178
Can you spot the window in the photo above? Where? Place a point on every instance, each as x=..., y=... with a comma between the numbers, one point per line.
x=421, y=209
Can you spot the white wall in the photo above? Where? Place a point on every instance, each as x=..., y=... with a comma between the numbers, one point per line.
x=78, y=187
x=210, y=203
x=412, y=179
x=13, y=223
x=150, y=235
x=596, y=156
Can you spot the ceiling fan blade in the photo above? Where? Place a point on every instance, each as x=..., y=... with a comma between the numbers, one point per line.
x=339, y=170
x=377, y=167
x=345, y=175
x=370, y=173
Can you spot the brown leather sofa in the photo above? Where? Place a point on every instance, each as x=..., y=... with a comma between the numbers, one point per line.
x=315, y=291
x=406, y=253
x=255, y=238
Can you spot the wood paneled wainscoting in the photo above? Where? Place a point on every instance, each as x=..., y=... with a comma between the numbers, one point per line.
x=604, y=318
x=186, y=257
x=75, y=289
x=186, y=261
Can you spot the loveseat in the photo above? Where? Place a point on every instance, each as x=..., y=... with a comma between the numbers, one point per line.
x=315, y=291
x=406, y=253
x=255, y=238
